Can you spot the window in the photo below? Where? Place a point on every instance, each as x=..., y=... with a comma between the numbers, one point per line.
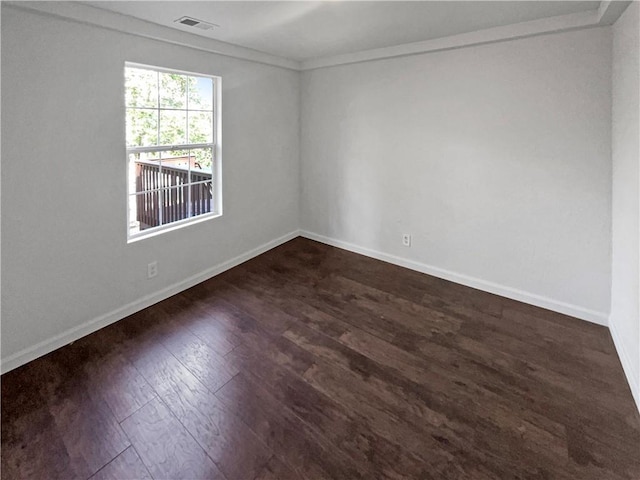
x=173, y=148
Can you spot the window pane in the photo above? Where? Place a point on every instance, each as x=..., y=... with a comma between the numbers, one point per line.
x=141, y=88
x=201, y=198
x=144, y=211
x=173, y=127
x=142, y=127
x=175, y=204
x=200, y=127
x=202, y=164
x=173, y=90
x=144, y=171
x=200, y=93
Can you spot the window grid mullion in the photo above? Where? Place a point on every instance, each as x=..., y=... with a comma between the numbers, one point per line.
x=169, y=148
x=158, y=112
x=171, y=109
x=190, y=214
x=172, y=187
x=160, y=161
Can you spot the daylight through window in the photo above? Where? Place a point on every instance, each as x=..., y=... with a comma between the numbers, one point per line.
x=172, y=131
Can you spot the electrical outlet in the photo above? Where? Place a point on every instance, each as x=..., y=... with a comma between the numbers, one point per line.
x=152, y=269
x=406, y=239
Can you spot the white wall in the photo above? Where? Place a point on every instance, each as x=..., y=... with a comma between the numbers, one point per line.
x=496, y=159
x=65, y=260
x=625, y=285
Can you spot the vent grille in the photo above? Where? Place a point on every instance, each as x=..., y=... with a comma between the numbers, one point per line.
x=194, y=22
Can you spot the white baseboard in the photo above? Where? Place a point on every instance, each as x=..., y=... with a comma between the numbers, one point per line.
x=577, y=311
x=626, y=361
x=75, y=333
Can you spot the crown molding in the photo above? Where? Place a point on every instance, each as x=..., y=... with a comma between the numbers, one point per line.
x=610, y=11
x=560, y=23
x=94, y=16
x=607, y=13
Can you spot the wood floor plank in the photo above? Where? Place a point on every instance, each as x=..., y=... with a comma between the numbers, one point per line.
x=276, y=470
x=120, y=384
x=165, y=447
x=468, y=376
x=77, y=424
x=86, y=425
x=308, y=454
x=198, y=319
x=32, y=448
x=271, y=319
x=234, y=448
x=203, y=362
x=598, y=458
x=24, y=390
x=245, y=327
x=126, y=466
x=339, y=425
x=414, y=402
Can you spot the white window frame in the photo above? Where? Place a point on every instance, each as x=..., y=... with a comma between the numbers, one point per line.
x=216, y=168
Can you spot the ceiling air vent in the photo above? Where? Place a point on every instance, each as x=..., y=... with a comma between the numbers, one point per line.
x=193, y=22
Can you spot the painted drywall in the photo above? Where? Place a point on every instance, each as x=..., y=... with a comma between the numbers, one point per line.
x=495, y=158
x=65, y=259
x=625, y=281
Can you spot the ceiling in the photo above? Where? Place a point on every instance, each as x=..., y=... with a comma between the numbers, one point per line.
x=305, y=30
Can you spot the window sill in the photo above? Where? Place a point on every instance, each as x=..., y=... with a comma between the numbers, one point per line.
x=153, y=232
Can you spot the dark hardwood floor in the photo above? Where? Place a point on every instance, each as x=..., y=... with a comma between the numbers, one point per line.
x=312, y=362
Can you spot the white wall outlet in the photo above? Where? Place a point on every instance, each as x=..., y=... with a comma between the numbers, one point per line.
x=152, y=269
x=406, y=239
